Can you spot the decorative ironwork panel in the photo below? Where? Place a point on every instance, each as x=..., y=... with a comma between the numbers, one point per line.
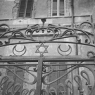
x=47, y=60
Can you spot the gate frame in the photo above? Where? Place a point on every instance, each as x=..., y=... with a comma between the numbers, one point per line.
x=40, y=61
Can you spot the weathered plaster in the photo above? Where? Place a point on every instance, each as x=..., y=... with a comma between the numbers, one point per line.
x=41, y=9
x=83, y=7
x=6, y=9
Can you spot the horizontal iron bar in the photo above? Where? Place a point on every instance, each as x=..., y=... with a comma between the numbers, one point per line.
x=85, y=44
x=18, y=59
x=66, y=64
x=46, y=59
x=34, y=65
x=75, y=59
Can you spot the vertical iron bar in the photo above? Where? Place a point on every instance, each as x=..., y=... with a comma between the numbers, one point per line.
x=72, y=12
x=76, y=46
x=39, y=77
x=72, y=24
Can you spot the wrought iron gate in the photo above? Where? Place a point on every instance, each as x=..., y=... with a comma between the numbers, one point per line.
x=47, y=60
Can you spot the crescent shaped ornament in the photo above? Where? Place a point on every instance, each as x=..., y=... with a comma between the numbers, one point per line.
x=66, y=52
x=19, y=52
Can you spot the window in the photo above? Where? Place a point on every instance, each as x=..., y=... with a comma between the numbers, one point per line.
x=57, y=8
x=25, y=8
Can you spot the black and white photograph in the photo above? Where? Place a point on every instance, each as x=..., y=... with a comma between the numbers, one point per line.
x=47, y=47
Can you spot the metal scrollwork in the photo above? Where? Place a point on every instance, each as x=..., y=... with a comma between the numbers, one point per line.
x=61, y=89
x=3, y=80
x=24, y=92
x=48, y=83
x=52, y=91
x=91, y=54
x=4, y=26
x=19, y=52
x=86, y=25
x=46, y=34
x=52, y=33
x=9, y=86
x=77, y=79
x=61, y=71
x=34, y=81
x=17, y=88
x=64, y=53
x=69, y=85
x=31, y=91
x=87, y=78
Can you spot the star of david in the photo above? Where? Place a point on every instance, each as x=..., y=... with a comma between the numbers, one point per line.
x=41, y=49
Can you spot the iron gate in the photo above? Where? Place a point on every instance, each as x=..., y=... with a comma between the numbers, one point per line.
x=47, y=60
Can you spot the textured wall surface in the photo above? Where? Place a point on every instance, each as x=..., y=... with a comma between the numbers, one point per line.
x=83, y=7
x=42, y=8
x=6, y=9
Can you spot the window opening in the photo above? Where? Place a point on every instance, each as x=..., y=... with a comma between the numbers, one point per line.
x=61, y=7
x=25, y=8
x=57, y=7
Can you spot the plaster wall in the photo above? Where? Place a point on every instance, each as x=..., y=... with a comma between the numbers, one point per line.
x=83, y=7
x=6, y=7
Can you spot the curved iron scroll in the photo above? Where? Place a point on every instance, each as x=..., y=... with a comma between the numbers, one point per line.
x=19, y=52
x=77, y=79
x=47, y=34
